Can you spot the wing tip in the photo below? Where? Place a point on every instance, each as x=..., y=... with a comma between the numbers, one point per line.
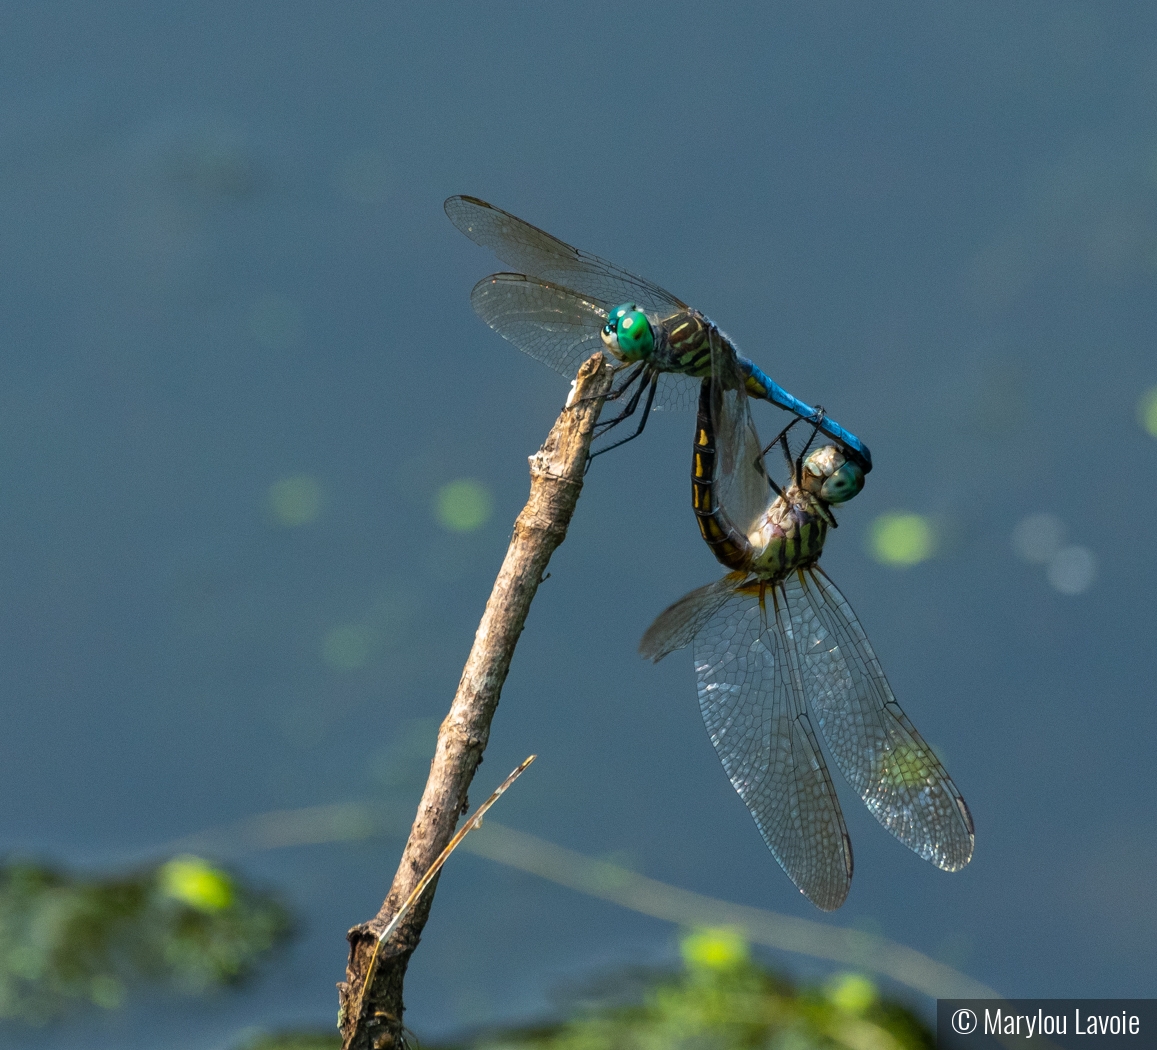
x=649, y=649
x=833, y=897
x=454, y=198
x=959, y=857
x=500, y=278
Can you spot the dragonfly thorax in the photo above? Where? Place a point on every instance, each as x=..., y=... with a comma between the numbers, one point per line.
x=789, y=535
x=685, y=343
x=628, y=334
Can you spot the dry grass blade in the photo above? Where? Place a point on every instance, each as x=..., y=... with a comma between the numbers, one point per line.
x=474, y=822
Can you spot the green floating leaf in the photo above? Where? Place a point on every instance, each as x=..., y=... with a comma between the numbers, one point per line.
x=463, y=505
x=66, y=939
x=901, y=539
x=296, y=500
x=715, y=948
x=1147, y=411
x=191, y=881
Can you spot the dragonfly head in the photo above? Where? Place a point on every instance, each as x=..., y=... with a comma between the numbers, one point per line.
x=831, y=477
x=627, y=333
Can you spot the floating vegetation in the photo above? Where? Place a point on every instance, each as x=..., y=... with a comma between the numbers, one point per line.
x=1147, y=411
x=67, y=939
x=349, y=646
x=724, y=1000
x=296, y=500
x=463, y=505
x=901, y=539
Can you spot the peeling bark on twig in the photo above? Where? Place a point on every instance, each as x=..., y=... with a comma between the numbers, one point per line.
x=556, y=478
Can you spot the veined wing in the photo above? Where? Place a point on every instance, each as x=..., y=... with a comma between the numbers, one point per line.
x=877, y=749
x=674, y=390
x=536, y=253
x=560, y=327
x=550, y=323
x=742, y=490
x=751, y=696
x=677, y=625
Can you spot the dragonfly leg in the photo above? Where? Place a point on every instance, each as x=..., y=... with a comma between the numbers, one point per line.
x=780, y=438
x=603, y=425
x=651, y=386
x=863, y=459
x=614, y=395
x=817, y=422
x=781, y=441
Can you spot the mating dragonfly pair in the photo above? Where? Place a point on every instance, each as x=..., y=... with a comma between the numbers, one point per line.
x=778, y=651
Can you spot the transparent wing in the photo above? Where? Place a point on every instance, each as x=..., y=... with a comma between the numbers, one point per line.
x=676, y=391
x=538, y=254
x=676, y=626
x=550, y=323
x=559, y=327
x=751, y=696
x=877, y=749
x=742, y=490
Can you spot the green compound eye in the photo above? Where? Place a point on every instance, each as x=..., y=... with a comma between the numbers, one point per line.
x=843, y=484
x=618, y=313
x=628, y=333
x=636, y=340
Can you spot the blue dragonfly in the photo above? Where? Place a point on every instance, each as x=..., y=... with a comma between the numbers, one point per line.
x=565, y=303
x=779, y=653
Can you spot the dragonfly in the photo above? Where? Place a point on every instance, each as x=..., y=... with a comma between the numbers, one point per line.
x=779, y=654
x=566, y=303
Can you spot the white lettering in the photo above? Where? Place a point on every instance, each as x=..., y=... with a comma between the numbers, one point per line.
x=997, y=1022
x=1025, y=1025
x=1107, y=1024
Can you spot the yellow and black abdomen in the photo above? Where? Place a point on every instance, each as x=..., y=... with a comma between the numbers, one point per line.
x=787, y=536
x=730, y=546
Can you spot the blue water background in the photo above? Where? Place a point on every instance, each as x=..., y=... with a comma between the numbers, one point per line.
x=225, y=263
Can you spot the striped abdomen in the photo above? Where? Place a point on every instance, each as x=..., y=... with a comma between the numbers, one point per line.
x=789, y=535
x=727, y=543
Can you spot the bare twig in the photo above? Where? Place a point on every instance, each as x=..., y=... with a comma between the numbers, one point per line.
x=556, y=477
